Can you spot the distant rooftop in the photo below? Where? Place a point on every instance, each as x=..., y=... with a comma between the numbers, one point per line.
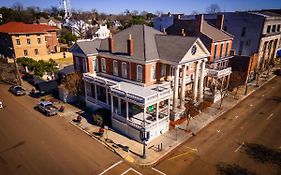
x=22, y=28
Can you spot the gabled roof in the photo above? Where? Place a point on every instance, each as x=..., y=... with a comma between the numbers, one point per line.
x=144, y=42
x=173, y=48
x=22, y=28
x=191, y=28
x=149, y=44
x=214, y=33
x=86, y=47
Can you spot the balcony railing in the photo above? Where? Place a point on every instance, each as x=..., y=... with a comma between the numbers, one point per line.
x=218, y=73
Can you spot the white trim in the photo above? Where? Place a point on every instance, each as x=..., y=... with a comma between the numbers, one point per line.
x=103, y=65
x=124, y=72
x=115, y=69
x=139, y=76
x=153, y=72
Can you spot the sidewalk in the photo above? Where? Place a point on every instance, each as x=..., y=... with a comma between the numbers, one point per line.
x=169, y=140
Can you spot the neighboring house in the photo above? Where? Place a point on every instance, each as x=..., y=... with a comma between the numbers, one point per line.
x=138, y=74
x=218, y=43
x=255, y=33
x=79, y=28
x=100, y=32
x=50, y=21
x=36, y=41
x=164, y=21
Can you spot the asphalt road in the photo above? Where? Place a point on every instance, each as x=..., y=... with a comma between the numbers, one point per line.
x=217, y=148
x=31, y=143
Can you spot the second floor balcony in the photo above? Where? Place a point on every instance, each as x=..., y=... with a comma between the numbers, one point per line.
x=218, y=73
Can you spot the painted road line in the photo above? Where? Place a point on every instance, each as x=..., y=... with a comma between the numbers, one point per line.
x=193, y=149
x=236, y=116
x=269, y=117
x=239, y=147
x=112, y=166
x=158, y=171
x=251, y=105
x=131, y=169
x=218, y=130
x=185, y=153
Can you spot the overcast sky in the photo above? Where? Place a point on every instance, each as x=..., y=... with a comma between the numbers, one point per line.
x=173, y=6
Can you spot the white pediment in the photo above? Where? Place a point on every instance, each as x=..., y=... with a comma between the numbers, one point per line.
x=196, y=51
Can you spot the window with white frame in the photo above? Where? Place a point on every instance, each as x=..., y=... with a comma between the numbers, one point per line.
x=139, y=72
x=103, y=65
x=115, y=68
x=124, y=70
x=163, y=70
x=153, y=72
x=96, y=64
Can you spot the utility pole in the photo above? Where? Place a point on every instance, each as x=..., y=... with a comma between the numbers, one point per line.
x=144, y=135
x=16, y=66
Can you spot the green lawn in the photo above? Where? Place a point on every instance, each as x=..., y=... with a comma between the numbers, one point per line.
x=64, y=60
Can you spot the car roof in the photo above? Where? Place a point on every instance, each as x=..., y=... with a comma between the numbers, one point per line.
x=46, y=103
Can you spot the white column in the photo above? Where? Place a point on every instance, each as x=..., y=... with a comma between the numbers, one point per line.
x=144, y=115
x=227, y=81
x=183, y=86
x=106, y=95
x=119, y=105
x=201, y=82
x=127, y=109
x=96, y=94
x=157, y=113
x=112, y=104
x=176, y=87
x=195, y=81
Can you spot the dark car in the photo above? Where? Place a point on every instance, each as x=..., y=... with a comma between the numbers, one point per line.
x=17, y=90
x=47, y=108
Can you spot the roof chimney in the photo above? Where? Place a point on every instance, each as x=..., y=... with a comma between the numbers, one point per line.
x=199, y=19
x=183, y=32
x=219, y=21
x=130, y=45
x=111, y=43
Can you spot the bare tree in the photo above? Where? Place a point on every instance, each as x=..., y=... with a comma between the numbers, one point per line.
x=195, y=12
x=217, y=85
x=213, y=8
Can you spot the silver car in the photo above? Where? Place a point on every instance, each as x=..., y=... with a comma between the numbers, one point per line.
x=47, y=108
x=17, y=90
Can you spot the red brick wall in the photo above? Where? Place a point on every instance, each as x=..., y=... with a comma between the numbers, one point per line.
x=90, y=65
x=218, y=49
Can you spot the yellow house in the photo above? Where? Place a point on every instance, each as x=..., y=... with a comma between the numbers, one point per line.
x=36, y=41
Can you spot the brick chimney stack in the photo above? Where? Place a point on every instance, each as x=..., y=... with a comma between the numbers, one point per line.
x=219, y=21
x=199, y=19
x=111, y=43
x=130, y=45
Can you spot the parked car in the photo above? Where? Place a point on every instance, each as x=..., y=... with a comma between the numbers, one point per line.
x=47, y=108
x=17, y=90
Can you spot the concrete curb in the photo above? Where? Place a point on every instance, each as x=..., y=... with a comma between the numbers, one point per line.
x=97, y=139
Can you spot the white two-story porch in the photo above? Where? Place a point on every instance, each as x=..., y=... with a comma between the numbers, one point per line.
x=135, y=110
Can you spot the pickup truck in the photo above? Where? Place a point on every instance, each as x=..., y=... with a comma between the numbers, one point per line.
x=47, y=108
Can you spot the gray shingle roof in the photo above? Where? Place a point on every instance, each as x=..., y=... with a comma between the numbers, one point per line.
x=149, y=44
x=192, y=29
x=86, y=47
x=173, y=48
x=144, y=42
